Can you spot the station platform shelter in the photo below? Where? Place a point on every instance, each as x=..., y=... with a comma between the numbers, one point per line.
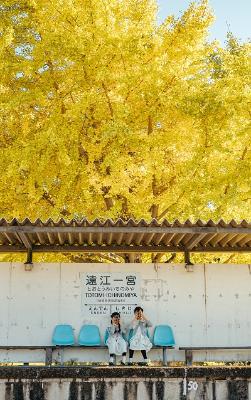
x=207, y=307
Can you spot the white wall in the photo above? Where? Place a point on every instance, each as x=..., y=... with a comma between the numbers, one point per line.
x=209, y=306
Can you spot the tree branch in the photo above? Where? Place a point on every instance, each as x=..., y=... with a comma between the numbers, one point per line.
x=171, y=205
x=108, y=99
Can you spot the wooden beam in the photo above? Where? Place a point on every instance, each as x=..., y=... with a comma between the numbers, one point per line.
x=157, y=241
x=128, y=239
x=120, y=249
x=50, y=237
x=236, y=240
x=178, y=238
x=119, y=238
x=168, y=238
x=138, y=239
x=187, y=238
x=225, y=240
x=12, y=249
x=71, y=241
x=18, y=237
x=207, y=238
x=109, y=240
x=124, y=229
x=29, y=257
x=148, y=240
x=40, y=238
x=188, y=261
x=90, y=239
x=25, y=240
x=217, y=238
x=61, y=239
x=100, y=237
x=194, y=240
x=245, y=240
x=8, y=238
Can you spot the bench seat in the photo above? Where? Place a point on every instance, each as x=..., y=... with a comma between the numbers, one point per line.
x=190, y=349
x=49, y=350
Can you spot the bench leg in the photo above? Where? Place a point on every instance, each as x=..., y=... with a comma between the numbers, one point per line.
x=61, y=355
x=164, y=356
x=188, y=357
x=48, y=356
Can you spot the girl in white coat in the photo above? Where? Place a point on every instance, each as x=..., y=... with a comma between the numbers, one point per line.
x=115, y=339
x=138, y=336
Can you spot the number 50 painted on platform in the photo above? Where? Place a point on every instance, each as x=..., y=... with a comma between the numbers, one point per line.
x=192, y=385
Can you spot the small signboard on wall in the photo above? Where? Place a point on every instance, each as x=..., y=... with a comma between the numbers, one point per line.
x=104, y=293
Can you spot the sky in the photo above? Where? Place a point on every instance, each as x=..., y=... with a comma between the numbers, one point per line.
x=233, y=15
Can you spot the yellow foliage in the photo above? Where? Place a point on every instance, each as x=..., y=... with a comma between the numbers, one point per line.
x=105, y=113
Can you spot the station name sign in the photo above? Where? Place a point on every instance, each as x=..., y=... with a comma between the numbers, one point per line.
x=104, y=293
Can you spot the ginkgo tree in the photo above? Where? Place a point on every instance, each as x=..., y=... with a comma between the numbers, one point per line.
x=105, y=112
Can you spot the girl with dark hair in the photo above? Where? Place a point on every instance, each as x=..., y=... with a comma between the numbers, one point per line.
x=115, y=339
x=138, y=337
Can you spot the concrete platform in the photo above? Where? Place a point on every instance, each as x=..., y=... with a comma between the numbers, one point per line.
x=125, y=383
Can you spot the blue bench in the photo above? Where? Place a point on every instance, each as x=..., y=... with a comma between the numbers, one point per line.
x=63, y=335
x=163, y=337
x=89, y=336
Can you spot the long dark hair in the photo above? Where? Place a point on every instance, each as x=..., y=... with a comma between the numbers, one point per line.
x=116, y=314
